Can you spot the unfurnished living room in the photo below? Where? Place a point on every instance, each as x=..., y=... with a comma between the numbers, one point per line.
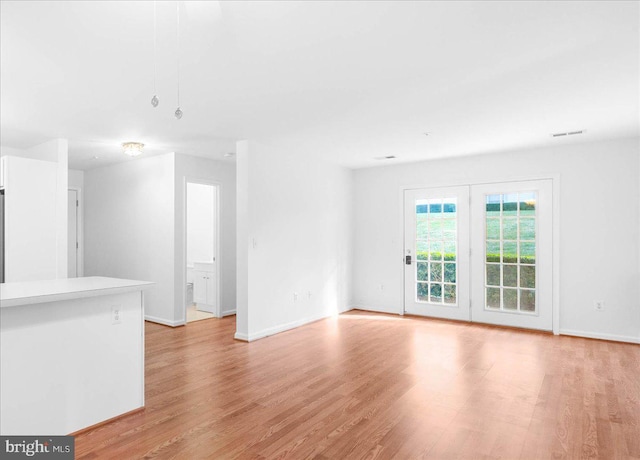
x=320, y=229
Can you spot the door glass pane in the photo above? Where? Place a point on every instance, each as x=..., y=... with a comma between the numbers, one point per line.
x=422, y=271
x=449, y=294
x=527, y=300
x=509, y=228
x=493, y=298
x=423, y=292
x=450, y=250
x=493, y=274
x=436, y=293
x=510, y=299
x=436, y=271
x=435, y=250
x=528, y=276
x=450, y=273
x=510, y=275
x=510, y=257
x=436, y=240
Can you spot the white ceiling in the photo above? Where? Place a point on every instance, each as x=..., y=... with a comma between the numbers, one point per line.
x=349, y=81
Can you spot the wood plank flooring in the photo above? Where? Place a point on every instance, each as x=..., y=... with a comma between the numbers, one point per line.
x=375, y=386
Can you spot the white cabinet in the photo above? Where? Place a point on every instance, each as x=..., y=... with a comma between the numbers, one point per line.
x=205, y=293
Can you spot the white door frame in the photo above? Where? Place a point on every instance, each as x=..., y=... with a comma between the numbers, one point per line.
x=556, y=184
x=216, y=241
x=79, y=231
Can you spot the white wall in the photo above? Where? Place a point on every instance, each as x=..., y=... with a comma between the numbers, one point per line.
x=76, y=179
x=295, y=225
x=129, y=228
x=200, y=222
x=53, y=151
x=222, y=173
x=30, y=219
x=599, y=256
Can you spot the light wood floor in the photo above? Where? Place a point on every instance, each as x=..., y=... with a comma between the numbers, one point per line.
x=364, y=385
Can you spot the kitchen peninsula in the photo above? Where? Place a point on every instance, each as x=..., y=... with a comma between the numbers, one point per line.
x=71, y=353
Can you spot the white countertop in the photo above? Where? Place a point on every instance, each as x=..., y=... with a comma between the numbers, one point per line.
x=32, y=292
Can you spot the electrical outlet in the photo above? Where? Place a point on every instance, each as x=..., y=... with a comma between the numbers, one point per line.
x=295, y=296
x=116, y=314
x=309, y=295
x=598, y=305
x=382, y=287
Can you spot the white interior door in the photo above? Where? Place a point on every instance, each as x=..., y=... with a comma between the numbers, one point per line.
x=72, y=234
x=511, y=242
x=437, y=252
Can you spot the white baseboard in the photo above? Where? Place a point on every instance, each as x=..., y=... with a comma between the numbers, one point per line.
x=280, y=328
x=155, y=319
x=228, y=313
x=376, y=309
x=239, y=336
x=598, y=335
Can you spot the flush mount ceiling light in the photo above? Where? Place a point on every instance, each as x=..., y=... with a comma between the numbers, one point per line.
x=132, y=149
x=388, y=157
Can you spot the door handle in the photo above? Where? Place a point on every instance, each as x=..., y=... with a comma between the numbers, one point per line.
x=407, y=260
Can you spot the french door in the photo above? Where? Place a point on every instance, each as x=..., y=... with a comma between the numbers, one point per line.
x=437, y=252
x=481, y=253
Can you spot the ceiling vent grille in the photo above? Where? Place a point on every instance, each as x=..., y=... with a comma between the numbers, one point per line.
x=570, y=133
x=388, y=157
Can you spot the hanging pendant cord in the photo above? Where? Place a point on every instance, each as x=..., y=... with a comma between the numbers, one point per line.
x=155, y=49
x=178, y=42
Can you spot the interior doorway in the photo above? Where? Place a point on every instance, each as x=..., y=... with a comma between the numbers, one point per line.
x=481, y=253
x=202, y=300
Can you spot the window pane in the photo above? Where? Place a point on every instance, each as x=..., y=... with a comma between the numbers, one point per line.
x=527, y=300
x=528, y=204
x=510, y=252
x=493, y=205
x=493, y=298
x=493, y=274
x=510, y=229
x=493, y=251
x=493, y=229
x=436, y=250
x=510, y=299
x=435, y=209
x=436, y=271
x=449, y=229
x=423, y=291
x=528, y=276
x=527, y=253
x=449, y=250
x=449, y=294
x=527, y=229
x=422, y=250
x=436, y=293
x=422, y=271
x=435, y=230
x=450, y=273
x=510, y=275
x=510, y=204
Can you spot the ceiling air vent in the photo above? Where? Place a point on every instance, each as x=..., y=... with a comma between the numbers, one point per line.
x=570, y=133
